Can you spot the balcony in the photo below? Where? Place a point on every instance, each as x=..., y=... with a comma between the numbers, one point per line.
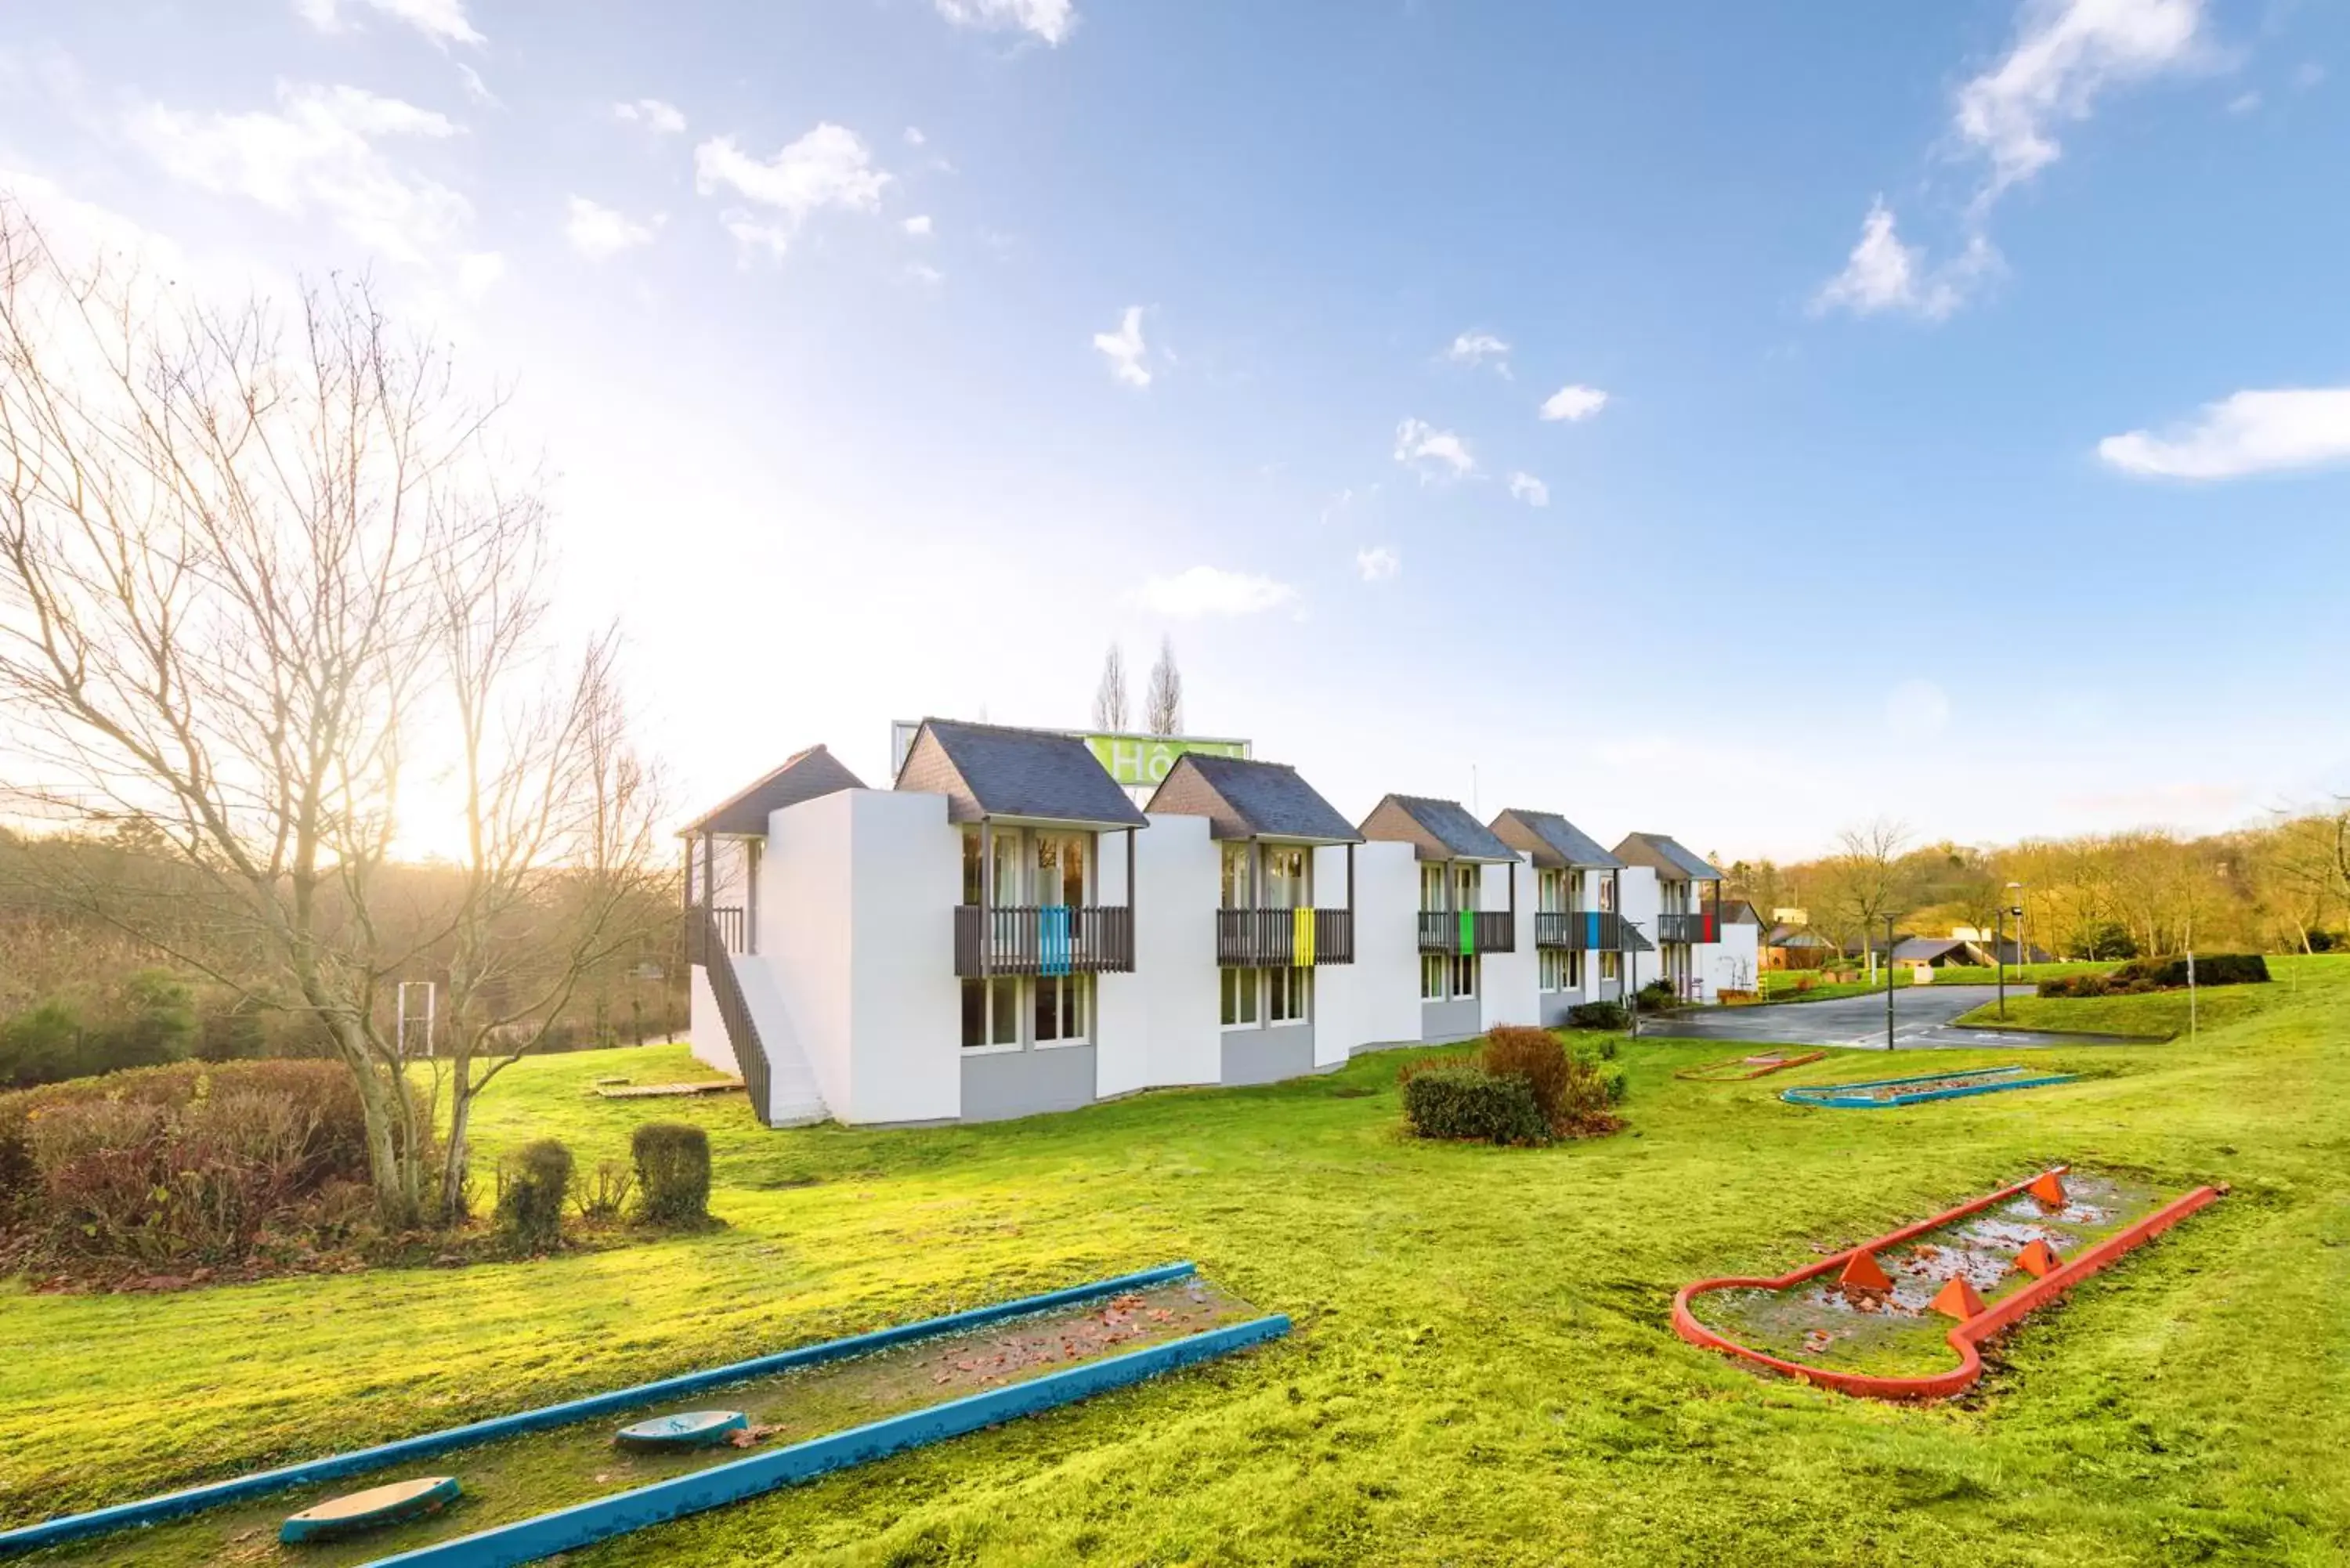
x=1582, y=932
x=1468, y=931
x=722, y=927
x=1702, y=927
x=1284, y=939
x=1051, y=938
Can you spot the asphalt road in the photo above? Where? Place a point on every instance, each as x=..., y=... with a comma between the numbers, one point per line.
x=1921, y=1022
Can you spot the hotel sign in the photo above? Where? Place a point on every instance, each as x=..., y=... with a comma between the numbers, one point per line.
x=1142, y=761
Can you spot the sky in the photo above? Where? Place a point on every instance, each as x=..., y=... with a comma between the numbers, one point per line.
x=1730, y=421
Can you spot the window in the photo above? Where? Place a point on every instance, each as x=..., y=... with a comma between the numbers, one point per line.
x=1466, y=880
x=1060, y=866
x=991, y=1011
x=970, y=867
x=1006, y=871
x=1573, y=970
x=1061, y=1007
x=1464, y=974
x=1431, y=977
x=1236, y=878
x=1431, y=888
x=1578, y=891
x=1554, y=972
x=1288, y=876
x=1292, y=995
x=1607, y=965
x=1239, y=997
x=1550, y=892
x=1608, y=894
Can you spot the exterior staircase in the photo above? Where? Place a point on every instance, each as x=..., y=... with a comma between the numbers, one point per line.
x=775, y=1074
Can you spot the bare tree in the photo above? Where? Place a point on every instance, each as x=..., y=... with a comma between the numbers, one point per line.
x=256, y=580
x=1109, y=697
x=1866, y=877
x=1162, y=705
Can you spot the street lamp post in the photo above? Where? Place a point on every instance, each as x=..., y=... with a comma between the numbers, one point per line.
x=1889, y=983
x=1999, y=941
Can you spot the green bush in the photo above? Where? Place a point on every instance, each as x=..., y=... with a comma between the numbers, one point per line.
x=1657, y=996
x=1598, y=1015
x=673, y=1171
x=152, y=1021
x=532, y=1183
x=1457, y=1100
x=2210, y=968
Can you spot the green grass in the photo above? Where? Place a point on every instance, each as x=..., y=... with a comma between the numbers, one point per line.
x=1483, y=1370
x=1779, y=984
x=2158, y=1014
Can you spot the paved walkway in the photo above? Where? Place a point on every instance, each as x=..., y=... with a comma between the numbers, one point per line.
x=1921, y=1022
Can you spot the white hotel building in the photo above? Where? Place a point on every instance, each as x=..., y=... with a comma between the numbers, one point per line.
x=1003, y=931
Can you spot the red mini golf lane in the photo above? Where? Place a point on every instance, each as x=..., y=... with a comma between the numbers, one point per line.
x=1966, y=1336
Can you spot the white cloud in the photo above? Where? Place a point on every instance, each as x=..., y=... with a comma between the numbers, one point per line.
x=2244, y=102
x=318, y=150
x=1884, y=275
x=1209, y=591
x=442, y=21
x=914, y=137
x=918, y=225
x=2250, y=432
x=1918, y=711
x=924, y=273
x=1124, y=348
x=1051, y=20
x=1378, y=564
x=479, y=273
x=1422, y=446
x=475, y=88
x=829, y=167
x=1525, y=487
x=598, y=232
x=653, y=114
x=1476, y=348
x=2066, y=53
x=1574, y=402
x=753, y=236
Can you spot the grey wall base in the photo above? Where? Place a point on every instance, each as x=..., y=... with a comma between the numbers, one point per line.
x=1268, y=1056
x=1443, y=1020
x=1001, y=1085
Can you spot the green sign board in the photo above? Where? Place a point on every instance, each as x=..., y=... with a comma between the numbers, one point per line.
x=1141, y=761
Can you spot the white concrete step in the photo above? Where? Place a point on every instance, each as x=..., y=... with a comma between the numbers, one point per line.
x=793, y=1099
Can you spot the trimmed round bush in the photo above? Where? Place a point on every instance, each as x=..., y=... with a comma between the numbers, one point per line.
x=532, y=1183
x=673, y=1173
x=1598, y=1015
x=1465, y=1102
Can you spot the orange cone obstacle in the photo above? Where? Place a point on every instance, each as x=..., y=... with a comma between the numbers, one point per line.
x=1861, y=1274
x=2048, y=1189
x=2038, y=1259
x=1958, y=1300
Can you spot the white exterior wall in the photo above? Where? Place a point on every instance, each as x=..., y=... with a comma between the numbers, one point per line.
x=1733, y=962
x=1160, y=1025
x=1375, y=1001
x=1638, y=902
x=1509, y=983
x=856, y=900
x=706, y=1032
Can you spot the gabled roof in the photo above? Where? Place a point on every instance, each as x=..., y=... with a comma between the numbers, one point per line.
x=988, y=771
x=1553, y=842
x=1795, y=937
x=1739, y=912
x=807, y=776
x=1659, y=851
x=1436, y=830
x=1925, y=949
x=1243, y=799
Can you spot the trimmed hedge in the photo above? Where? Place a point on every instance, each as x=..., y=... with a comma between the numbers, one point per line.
x=1466, y=1102
x=532, y=1183
x=673, y=1172
x=1598, y=1015
x=2139, y=977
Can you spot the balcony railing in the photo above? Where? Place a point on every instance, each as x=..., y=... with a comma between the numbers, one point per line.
x=1284, y=939
x=1581, y=931
x=1468, y=931
x=707, y=945
x=1702, y=927
x=723, y=926
x=1051, y=938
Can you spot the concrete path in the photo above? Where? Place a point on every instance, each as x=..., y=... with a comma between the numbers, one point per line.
x=1921, y=1022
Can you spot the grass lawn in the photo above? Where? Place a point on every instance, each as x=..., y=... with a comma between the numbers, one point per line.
x=1779, y=984
x=2161, y=1014
x=1483, y=1370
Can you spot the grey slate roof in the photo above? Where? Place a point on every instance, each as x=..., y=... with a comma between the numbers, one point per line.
x=1553, y=842
x=1437, y=829
x=807, y=776
x=1660, y=850
x=1243, y=799
x=993, y=770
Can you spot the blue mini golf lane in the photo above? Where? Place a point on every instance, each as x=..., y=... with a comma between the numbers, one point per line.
x=1854, y=1097
x=690, y=1493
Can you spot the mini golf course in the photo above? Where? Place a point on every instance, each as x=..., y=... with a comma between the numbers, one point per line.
x=1877, y=1094
x=526, y=1486
x=1739, y=1069
x=1883, y=1319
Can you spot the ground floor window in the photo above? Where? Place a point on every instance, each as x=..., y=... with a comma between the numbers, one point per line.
x=1290, y=996
x=1431, y=977
x=1553, y=968
x=1239, y=997
x=1608, y=966
x=1061, y=1007
x=991, y=1011
x=1464, y=975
